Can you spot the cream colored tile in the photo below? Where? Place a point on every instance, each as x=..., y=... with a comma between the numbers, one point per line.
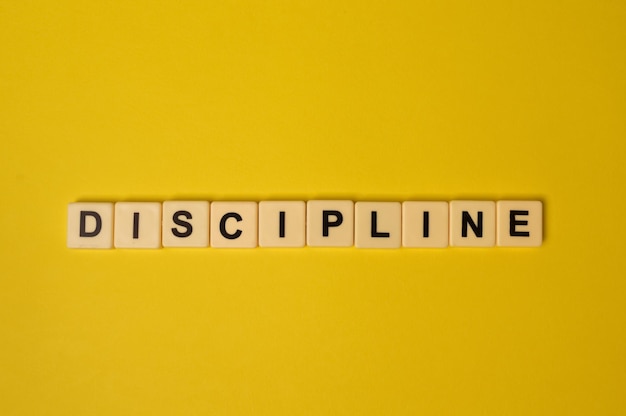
x=282, y=223
x=185, y=224
x=330, y=223
x=425, y=224
x=233, y=224
x=378, y=224
x=520, y=223
x=472, y=223
x=138, y=225
x=90, y=225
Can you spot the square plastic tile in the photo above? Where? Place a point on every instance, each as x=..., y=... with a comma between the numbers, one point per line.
x=330, y=223
x=90, y=225
x=472, y=223
x=520, y=223
x=425, y=224
x=185, y=224
x=282, y=223
x=378, y=224
x=138, y=225
x=233, y=224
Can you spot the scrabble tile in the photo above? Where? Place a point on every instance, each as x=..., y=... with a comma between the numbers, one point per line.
x=520, y=223
x=233, y=224
x=185, y=224
x=425, y=224
x=138, y=225
x=378, y=224
x=90, y=225
x=330, y=223
x=472, y=223
x=282, y=223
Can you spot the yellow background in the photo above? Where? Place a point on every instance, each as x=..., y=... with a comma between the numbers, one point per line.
x=369, y=100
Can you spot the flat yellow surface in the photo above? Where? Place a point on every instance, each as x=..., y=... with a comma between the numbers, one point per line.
x=368, y=100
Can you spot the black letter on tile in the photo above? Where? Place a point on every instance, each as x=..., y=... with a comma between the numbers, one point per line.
x=135, y=225
x=326, y=224
x=281, y=224
x=467, y=219
x=513, y=222
x=96, y=216
x=182, y=223
x=374, y=226
x=426, y=225
x=223, y=231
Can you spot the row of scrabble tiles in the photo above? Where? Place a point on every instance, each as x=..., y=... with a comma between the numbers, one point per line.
x=316, y=223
